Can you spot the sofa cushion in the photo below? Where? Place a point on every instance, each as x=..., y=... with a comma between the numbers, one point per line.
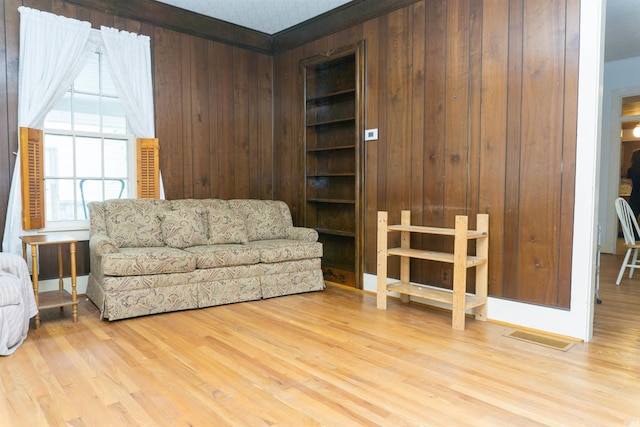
x=264, y=219
x=286, y=250
x=302, y=233
x=141, y=261
x=226, y=226
x=183, y=228
x=134, y=223
x=224, y=255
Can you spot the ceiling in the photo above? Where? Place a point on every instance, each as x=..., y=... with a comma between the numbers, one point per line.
x=267, y=16
x=622, y=28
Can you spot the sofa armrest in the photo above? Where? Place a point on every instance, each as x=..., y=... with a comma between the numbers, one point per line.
x=302, y=233
x=101, y=244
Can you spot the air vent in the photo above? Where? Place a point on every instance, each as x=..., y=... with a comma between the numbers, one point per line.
x=543, y=340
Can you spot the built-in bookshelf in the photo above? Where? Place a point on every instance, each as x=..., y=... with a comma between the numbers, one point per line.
x=332, y=165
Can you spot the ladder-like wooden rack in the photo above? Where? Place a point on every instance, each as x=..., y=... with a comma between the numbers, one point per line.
x=459, y=300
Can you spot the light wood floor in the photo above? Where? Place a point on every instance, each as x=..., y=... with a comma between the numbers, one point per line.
x=326, y=358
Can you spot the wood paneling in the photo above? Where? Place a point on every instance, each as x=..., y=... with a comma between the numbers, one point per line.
x=476, y=105
x=493, y=134
x=541, y=150
x=475, y=102
x=433, y=170
x=569, y=148
x=48, y=256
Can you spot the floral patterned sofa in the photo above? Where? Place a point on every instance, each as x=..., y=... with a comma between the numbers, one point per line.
x=154, y=256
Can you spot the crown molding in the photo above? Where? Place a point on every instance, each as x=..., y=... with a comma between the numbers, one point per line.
x=173, y=18
x=183, y=21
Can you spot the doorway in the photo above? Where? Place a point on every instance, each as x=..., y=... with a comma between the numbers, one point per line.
x=629, y=143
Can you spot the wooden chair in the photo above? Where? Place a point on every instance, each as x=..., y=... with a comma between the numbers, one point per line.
x=630, y=230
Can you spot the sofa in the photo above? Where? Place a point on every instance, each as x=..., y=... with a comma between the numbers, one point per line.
x=153, y=256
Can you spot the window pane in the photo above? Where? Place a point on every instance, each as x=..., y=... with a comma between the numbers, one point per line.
x=87, y=81
x=58, y=155
x=90, y=190
x=113, y=117
x=88, y=157
x=116, y=189
x=59, y=200
x=60, y=116
x=86, y=113
x=116, y=162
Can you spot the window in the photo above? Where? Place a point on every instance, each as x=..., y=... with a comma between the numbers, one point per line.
x=89, y=155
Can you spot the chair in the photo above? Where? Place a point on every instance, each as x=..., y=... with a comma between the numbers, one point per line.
x=630, y=230
x=84, y=202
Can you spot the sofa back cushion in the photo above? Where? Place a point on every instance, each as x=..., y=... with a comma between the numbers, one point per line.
x=264, y=219
x=203, y=204
x=135, y=223
x=184, y=228
x=226, y=226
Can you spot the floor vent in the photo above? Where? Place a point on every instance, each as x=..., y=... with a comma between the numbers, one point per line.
x=543, y=340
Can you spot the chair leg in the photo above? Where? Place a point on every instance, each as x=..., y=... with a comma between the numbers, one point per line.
x=634, y=262
x=622, y=267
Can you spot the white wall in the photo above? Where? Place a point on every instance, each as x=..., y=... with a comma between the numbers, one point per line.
x=621, y=78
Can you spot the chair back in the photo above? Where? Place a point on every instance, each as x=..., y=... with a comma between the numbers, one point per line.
x=628, y=221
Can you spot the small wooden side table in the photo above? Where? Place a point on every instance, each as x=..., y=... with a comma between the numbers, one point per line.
x=52, y=299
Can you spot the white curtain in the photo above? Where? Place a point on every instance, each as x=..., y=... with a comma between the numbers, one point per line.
x=129, y=60
x=128, y=56
x=53, y=50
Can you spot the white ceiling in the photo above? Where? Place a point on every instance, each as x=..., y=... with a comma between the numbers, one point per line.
x=267, y=16
x=622, y=34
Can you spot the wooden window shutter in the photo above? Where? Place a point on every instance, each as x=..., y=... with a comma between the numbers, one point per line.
x=148, y=165
x=32, y=178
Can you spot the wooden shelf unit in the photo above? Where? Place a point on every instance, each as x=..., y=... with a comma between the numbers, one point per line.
x=459, y=300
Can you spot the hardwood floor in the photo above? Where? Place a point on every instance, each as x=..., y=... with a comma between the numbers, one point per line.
x=326, y=358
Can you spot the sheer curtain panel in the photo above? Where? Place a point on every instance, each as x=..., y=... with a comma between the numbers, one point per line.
x=129, y=60
x=53, y=50
x=128, y=57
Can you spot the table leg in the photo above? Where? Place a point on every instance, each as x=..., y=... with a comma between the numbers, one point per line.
x=34, y=279
x=60, y=272
x=74, y=297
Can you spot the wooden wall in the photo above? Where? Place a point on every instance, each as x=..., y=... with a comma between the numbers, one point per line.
x=213, y=104
x=476, y=106
x=475, y=102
